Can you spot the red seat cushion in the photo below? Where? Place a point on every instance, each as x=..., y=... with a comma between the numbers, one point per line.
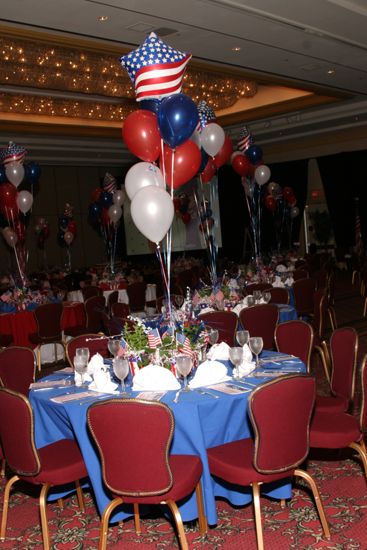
x=186, y=471
x=333, y=430
x=331, y=403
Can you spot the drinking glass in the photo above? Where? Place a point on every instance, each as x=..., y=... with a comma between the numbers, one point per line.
x=256, y=345
x=257, y=296
x=266, y=297
x=184, y=366
x=121, y=370
x=250, y=300
x=178, y=300
x=213, y=336
x=235, y=355
x=113, y=347
x=242, y=337
x=80, y=366
x=84, y=353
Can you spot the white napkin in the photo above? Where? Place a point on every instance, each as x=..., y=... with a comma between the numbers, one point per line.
x=289, y=281
x=281, y=268
x=219, y=352
x=102, y=382
x=246, y=353
x=246, y=367
x=206, y=310
x=278, y=283
x=154, y=377
x=95, y=363
x=208, y=373
x=237, y=308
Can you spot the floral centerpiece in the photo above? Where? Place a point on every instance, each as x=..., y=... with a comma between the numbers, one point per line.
x=112, y=281
x=21, y=299
x=220, y=296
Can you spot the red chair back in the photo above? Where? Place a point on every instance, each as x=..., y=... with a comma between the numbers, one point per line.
x=92, y=341
x=112, y=299
x=343, y=353
x=120, y=310
x=320, y=314
x=48, y=319
x=17, y=368
x=136, y=293
x=261, y=320
x=257, y=286
x=17, y=433
x=295, y=338
x=299, y=274
x=94, y=307
x=363, y=403
x=91, y=290
x=225, y=322
x=280, y=412
x=303, y=291
x=135, y=464
x=278, y=295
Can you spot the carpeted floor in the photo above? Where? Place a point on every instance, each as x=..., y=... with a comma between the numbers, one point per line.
x=339, y=477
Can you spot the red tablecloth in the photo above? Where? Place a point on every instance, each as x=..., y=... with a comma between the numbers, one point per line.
x=23, y=323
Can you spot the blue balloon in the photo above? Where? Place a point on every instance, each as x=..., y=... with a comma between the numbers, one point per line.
x=63, y=222
x=151, y=105
x=3, y=178
x=105, y=199
x=32, y=172
x=254, y=153
x=177, y=119
x=95, y=210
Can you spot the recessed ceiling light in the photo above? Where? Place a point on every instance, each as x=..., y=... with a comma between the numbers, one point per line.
x=331, y=71
x=236, y=49
x=102, y=18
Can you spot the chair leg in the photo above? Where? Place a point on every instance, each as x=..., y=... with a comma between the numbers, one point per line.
x=323, y=361
x=203, y=526
x=4, y=518
x=80, y=496
x=39, y=358
x=316, y=495
x=137, y=519
x=257, y=513
x=283, y=504
x=103, y=531
x=332, y=317
x=365, y=307
x=2, y=470
x=60, y=502
x=178, y=521
x=362, y=451
x=43, y=513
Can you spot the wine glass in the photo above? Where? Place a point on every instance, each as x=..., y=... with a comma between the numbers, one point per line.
x=113, y=347
x=184, y=366
x=121, y=370
x=235, y=355
x=257, y=296
x=250, y=301
x=242, y=337
x=213, y=336
x=178, y=300
x=84, y=353
x=256, y=345
x=266, y=297
x=80, y=367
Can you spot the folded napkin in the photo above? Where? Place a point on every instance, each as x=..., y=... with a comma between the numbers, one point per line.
x=206, y=310
x=208, y=373
x=278, y=283
x=219, y=352
x=237, y=308
x=246, y=353
x=95, y=363
x=102, y=382
x=289, y=281
x=281, y=268
x=154, y=377
x=246, y=367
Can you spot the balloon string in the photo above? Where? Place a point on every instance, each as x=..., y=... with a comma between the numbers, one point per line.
x=18, y=264
x=163, y=164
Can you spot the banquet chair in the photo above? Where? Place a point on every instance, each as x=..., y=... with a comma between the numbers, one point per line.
x=257, y=286
x=225, y=322
x=280, y=413
x=120, y=309
x=300, y=273
x=336, y=430
x=319, y=320
x=261, y=320
x=92, y=341
x=303, y=291
x=278, y=295
x=17, y=368
x=48, y=319
x=148, y=431
x=94, y=308
x=91, y=290
x=343, y=346
x=295, y=338
x=136, y=294
x=112, y=299
x=58, y=463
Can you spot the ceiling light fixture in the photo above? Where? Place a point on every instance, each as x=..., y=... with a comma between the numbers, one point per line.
x=331, y=71
x=236, y=49
x=102, y=18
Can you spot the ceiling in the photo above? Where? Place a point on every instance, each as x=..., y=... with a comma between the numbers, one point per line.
x=317, y=46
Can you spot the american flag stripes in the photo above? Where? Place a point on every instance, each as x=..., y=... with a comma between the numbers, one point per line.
x=154, y=339
x=245, y=140
x=155, y=68
x=13, y=153
x=109, y=183
x=123, y=348
x=184, y=343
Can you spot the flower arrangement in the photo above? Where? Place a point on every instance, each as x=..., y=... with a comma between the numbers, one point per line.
x=21, y=299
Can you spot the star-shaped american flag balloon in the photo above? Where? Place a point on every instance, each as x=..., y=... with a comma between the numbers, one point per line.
x=12, y=153
x=155, y=69
x=245, y=139
x=206, y=114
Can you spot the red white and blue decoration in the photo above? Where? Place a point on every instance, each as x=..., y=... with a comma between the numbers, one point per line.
x=206, y=114
x=245, y=139
x=109, y=183
x=13, y=153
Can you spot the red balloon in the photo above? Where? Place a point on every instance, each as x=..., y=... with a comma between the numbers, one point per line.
x=242, y=165
x=291, y=200
x=187, y=160
x=209, y=171
x=8, y=199
x=186, y=218
x=141, y=135
x=72, y=227
x=105, y=219
x=225, y=152
x=270, y=203
x=96, y=194
x=288, y=192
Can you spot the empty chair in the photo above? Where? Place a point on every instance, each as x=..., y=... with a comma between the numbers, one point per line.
x=112, y=299
x=120, y=309
x=303, y=290
x=94, y=309
x=91, y=290
x=343, y=349
x=319, y=320
x=261, y=320
x=48, y=319
x=55, y=464
x=225, y=322
x=280, y=413
x=278, y=295
x=148, y=427
x=17, y=368
x=95, y=344
x=295, y=338
x=136, y=294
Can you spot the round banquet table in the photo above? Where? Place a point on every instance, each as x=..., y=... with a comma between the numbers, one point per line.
x=201, y=421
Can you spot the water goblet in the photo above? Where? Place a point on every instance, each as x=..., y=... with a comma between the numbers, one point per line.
x=121, y=370
x=178, y=300
x=213, y=336
x=236, y=355
x=256, y=345
x=80, y=367
x=242, y=337
x=257, y=296
x=184, y=366
x=113, y=347
x=84, y=353
x=266, y=297
x=250, y=301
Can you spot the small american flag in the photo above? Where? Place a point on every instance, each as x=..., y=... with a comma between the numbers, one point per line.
x=123, y=348
x=245, y=140
x=184, y=344
x=109, y=183
x=154, y=339
x=155, y=68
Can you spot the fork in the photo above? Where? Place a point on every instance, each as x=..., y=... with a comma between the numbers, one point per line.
x=177, y=396
x=204, y=392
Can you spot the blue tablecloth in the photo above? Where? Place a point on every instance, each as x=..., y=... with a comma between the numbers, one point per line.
x=201, y=421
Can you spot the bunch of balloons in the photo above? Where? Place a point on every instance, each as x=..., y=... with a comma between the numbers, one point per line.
x=182, y=208
x=67, y=227
x=282, y=203
x=42, y=230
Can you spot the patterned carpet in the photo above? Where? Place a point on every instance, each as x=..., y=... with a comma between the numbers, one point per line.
x=339, y=477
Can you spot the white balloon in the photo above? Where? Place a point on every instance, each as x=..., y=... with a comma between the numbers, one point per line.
x=119, y=196
x=14, y=172
x=114, y=213
x=152, y=212
x=142, y=174
x=262, y=174
x=10, y=236
x=24, y=201
x=68, y=237
x=212, y=138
